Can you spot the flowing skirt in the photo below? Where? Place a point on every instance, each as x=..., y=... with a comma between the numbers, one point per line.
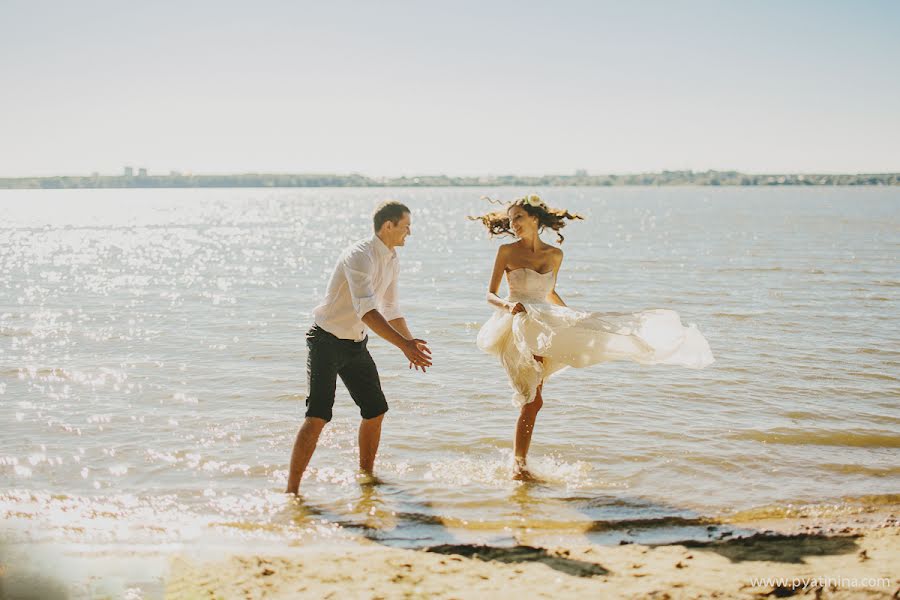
x=565, y=337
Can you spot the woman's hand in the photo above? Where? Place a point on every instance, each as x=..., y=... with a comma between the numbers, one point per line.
x=517, y=308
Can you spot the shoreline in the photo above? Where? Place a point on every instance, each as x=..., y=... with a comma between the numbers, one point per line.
x=820, y=551
x=262, y=180
x=817, y=553
x=814, y=557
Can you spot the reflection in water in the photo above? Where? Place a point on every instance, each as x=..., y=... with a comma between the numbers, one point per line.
x=371, y=506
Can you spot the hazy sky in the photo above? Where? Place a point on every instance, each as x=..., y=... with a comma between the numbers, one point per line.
x=391, y=88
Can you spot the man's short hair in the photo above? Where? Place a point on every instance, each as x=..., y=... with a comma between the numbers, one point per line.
x=391, y=211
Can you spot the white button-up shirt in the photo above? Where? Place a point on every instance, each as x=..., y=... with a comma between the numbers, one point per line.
x=364, y=278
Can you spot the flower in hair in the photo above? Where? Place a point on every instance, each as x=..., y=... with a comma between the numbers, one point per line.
x=534, y=201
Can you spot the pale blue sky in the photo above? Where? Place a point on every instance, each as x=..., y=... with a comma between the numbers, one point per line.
x=392, y=88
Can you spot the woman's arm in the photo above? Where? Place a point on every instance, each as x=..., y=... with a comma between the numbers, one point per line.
x=553, y=296
x=555, y=299
x=496, y=277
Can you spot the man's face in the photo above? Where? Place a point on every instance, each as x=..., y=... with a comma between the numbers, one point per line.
x=400, y=230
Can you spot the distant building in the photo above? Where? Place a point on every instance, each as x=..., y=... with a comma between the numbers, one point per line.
x=174, y=173
x=581, y=173
x=142, y=172
x=129, y=172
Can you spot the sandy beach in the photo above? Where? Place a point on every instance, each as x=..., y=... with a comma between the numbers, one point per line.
x=852, y=557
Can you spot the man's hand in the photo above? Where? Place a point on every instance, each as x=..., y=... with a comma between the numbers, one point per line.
x=417, y=352
x=397, y=333
x=517, y=308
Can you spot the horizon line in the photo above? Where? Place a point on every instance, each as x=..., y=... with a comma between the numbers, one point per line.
x=575, y=173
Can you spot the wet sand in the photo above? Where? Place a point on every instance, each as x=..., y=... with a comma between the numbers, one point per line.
x=853, y=557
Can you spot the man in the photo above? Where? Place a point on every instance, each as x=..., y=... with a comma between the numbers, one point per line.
x=362, y=294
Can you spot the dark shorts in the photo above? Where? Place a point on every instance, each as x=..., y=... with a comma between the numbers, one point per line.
x=330, y=357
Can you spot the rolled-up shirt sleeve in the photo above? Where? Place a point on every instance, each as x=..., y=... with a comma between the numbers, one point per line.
x=391, y=304
x=359, y=268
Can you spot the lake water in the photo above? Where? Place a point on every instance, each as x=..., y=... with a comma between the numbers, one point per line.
x=153, y=368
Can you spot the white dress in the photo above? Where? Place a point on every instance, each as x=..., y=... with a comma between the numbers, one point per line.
x=566, y=337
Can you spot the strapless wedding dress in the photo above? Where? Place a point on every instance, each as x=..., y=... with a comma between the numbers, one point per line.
x=566, y=337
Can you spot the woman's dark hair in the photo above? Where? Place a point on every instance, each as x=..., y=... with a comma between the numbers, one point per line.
x=391, y=211
x=497, y=222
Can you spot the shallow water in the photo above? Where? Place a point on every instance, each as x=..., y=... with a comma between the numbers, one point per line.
x=152, y=367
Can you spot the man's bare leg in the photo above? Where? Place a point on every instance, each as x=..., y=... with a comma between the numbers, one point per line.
x=369, y=438
x=304, y=446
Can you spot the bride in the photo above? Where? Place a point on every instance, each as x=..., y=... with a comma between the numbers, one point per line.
x=535, y=334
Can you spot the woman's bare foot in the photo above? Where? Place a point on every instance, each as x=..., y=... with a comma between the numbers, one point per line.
x=524, y=475
x=521, y=472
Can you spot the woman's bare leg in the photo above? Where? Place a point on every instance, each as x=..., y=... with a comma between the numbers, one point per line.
x=524, y=429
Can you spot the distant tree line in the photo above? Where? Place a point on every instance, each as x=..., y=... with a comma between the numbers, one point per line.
x=260, y=180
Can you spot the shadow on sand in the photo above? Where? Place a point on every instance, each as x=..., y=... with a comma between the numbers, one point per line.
x=419, y=527
x=519, y=554
x=775, y=547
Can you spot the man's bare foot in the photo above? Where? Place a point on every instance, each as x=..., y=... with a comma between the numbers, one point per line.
x=366, y=478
